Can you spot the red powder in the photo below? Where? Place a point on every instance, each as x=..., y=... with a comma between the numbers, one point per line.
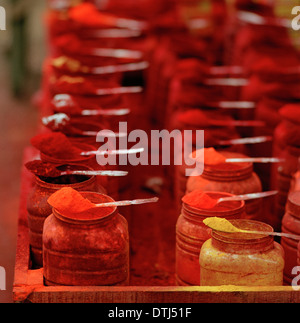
x=69, y=200
x=56, y=145
x=199, y=200
x=69, y=43
x=40, y=168
x=291, y=112
x=96, y=18
x=194, y=117
x=74, y=85
x=211, y=157
x=72, y=204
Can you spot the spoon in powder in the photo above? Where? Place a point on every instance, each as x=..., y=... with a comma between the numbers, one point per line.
x=211, y=157
x=243, y=141
x=207, y=202
x=62, y=122
x=223, y=225
x=65, y=103
x=40, y=168
x=71, y=201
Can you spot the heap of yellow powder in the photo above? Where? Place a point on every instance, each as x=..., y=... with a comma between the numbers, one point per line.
x=220, y=224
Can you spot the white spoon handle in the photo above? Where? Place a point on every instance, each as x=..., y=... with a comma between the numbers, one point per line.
x=125, y=203
x=247, y=196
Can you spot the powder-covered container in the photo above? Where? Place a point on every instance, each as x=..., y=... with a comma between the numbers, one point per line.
x=242, y=259
x=86, y=249
x=234, y=178
x=38, y=208
x=191, y=233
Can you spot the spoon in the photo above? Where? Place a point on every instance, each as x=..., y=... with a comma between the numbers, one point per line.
x=119, y=68
x=115, y=53
x=232, y=105
x=119, y=90
x=220, y=70
x=39, y=168
x=113, y=152
x=210, y=202
x=62, y=122
x=246, y=197
x=242, y=141
x=256, y=19
x=216, y=158
x=227, y=81
x=113, y=33
x=223, y=225
x=65, y=103
x=125, y=203
x=263, y=160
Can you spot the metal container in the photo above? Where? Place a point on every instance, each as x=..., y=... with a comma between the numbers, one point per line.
x=88, y=250
x=191, y=233
x=242, y=259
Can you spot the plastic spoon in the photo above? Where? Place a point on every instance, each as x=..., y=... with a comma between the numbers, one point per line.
x=263, y=160
x=62, y=122
x=119, y=68
x=232, y=105
x=115, y=53
x=113, y=152
x=213, y=202
x=221, y=70
x=223, y=225
x=126, y=203
x=65, y=103
x=256, y=19
x=227, y=81
x=39, y=168
x=119, y=90
x=243, y=141
x=114, y=33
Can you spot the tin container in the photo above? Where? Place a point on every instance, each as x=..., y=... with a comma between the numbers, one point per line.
x=191, y=233
x=87, y=250
x=234, y=178
x=242, y=259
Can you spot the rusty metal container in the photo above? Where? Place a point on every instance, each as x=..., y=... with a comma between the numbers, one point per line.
x=191, y=233
x=234, y=178
x=86, y=250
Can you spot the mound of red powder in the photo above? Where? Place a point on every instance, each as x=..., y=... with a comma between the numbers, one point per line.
x=200, y=200
x=56, y=145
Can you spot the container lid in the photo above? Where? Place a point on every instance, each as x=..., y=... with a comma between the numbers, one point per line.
x=244, y=242
x=229, y=171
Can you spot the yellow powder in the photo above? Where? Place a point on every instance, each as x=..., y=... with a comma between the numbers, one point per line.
x=220, y=224
x=72, y=64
